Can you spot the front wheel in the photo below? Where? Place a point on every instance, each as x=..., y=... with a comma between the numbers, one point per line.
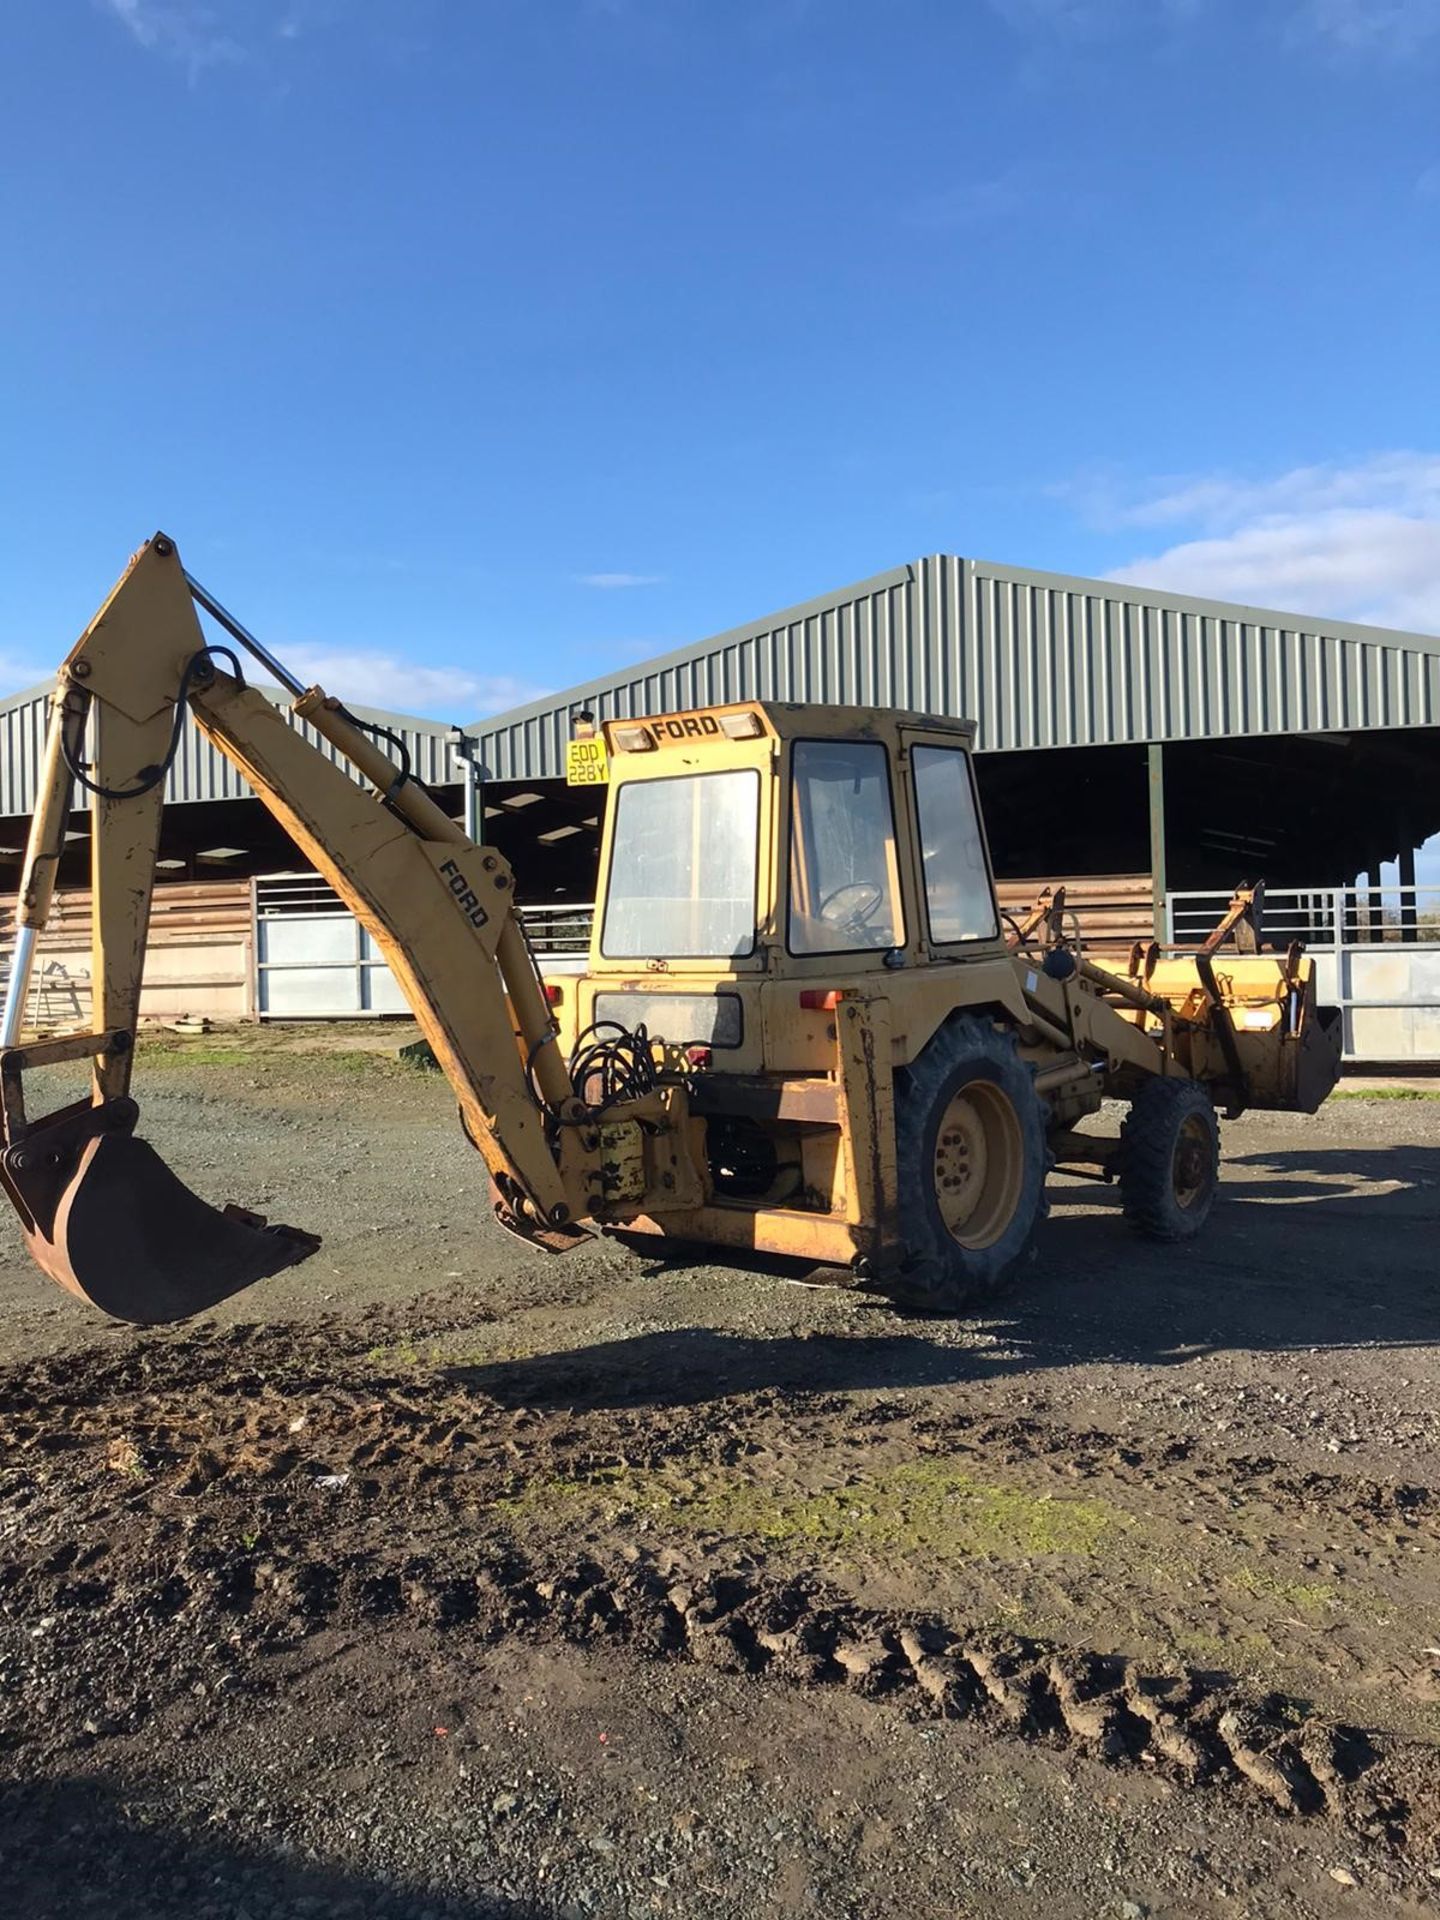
x=1169, y=1161
x=970, y=1140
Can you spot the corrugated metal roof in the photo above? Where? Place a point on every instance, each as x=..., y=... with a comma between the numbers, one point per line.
x=1035, y=659
x=200, y=771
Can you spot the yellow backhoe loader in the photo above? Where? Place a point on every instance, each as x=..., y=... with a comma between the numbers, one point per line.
x=804, y=1027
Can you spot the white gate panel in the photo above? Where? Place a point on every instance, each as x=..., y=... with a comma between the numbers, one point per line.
x=379, y=988
x=1376, y=953
x=308, y=966
x=313, y=960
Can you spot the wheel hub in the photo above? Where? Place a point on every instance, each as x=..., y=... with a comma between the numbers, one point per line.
x=960, y=1160
x=1192, y=1166
x=979, y=1164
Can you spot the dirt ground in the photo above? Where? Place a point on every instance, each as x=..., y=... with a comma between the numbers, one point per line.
x=436, y=1577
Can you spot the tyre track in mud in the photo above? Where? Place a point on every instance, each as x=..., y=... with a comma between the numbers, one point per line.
x=163, y=1529
x=220, y=1401
x=1197, y=1729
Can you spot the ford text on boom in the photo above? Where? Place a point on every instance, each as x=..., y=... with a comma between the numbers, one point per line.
x=469, y=903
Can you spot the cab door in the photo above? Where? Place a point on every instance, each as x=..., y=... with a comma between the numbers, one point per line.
x=955, y=884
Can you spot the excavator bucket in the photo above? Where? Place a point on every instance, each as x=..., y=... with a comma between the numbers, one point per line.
x=106, y=1218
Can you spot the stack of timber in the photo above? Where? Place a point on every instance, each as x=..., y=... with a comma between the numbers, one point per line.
x=199, y=959
x=1111, y=910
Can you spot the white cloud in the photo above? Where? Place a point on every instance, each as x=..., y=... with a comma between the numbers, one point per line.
x=1373, y=567
x=189, y=31
x=18, y=673
x=1395, y=28
x=973, y=203
x=1090, y=19
x=1052, y=16
x=1392, y=29
x=611, y=580
x=210, y=33
x=1358, y=542
x=1404, y=482
x=366, y=678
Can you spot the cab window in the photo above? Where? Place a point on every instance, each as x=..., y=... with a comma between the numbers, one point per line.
x=844, y=880
x=958, y=894
x=683, y=869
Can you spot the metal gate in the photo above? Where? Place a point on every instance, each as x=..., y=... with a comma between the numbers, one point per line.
x=313, y=960
x=1376, y=953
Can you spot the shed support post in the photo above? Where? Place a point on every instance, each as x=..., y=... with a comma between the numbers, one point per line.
x=463, y=745
x=1158, y=886
x=475, y=804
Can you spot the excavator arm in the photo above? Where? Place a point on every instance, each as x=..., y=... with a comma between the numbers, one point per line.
x=102, y=1214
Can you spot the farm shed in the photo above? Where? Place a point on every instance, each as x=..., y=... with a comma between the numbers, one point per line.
x=1147, y=749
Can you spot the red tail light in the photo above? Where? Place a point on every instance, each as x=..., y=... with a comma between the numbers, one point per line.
x=554, y=993
x=820, y=999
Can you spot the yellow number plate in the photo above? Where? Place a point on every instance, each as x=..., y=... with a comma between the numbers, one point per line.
x=585, y=763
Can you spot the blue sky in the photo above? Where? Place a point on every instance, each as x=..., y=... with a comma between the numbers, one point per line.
x=471, y=346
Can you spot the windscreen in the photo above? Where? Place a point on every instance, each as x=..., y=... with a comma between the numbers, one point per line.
x=682, y=873
x=958, y=893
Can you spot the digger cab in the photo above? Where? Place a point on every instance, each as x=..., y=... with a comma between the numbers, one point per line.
x=789, y=841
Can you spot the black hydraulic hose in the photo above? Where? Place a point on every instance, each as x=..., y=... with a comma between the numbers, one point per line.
x=150, y=777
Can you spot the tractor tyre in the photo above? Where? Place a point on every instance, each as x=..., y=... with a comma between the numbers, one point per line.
x=1169, y=1161
x=972, y=1160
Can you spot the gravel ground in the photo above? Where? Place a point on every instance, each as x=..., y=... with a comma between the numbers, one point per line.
x=437, y=1576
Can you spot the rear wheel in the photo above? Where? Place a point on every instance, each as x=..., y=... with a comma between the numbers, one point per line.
x=970, y=1139
x=1169, y=1162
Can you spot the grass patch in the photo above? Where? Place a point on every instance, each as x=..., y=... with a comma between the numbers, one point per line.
x=151, y=1056
x=400, y=1353
x=924, y=1507
x=1386, y=1093
x=1236, y=1652
x=293, y=1061
x=1311, y=1599
x=441, y=1353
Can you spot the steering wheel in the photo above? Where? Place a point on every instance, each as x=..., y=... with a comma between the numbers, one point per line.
x=861, y=898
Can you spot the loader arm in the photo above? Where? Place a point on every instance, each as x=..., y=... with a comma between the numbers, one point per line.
x=101, y=1212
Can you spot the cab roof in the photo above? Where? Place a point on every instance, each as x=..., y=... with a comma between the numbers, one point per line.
x=781, y=720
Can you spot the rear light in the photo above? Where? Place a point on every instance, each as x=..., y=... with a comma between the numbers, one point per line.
x=820, y=999
x=698, y=1056
x=554, y=992
x=741, y=726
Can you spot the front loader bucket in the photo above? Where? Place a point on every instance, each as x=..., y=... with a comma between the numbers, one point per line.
x=1318, y=1059
x=1288, y=1044
x=1253, y=1027
x=106, y=1218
